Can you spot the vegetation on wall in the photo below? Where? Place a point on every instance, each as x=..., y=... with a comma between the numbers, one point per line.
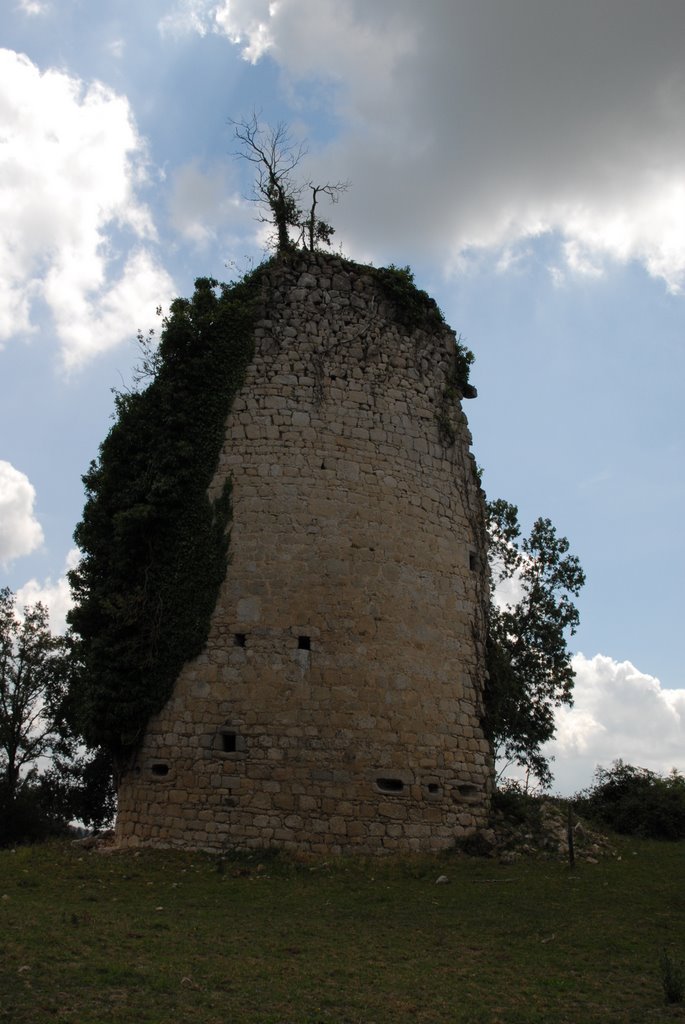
x=279, y=197
x=154, y=547
x=415, y=309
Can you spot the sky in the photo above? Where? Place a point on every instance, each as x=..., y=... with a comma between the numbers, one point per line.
x=526, y=159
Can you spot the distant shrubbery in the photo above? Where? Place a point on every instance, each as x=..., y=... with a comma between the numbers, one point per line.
x=27, y=816
x=76, y=786
x=636, y=802
x=516, y=804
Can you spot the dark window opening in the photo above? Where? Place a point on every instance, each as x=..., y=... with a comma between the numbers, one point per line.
x=239, y=639
x=468, y=792
x=433, y=787
x=304, y=643
x=473, y=561
x=390, y=785
x=159, y=768
x=229, y=742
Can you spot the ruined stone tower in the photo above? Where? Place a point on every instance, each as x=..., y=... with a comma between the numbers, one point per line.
x=336, y=706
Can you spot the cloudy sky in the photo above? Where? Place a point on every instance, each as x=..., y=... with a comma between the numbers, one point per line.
x=525, y=157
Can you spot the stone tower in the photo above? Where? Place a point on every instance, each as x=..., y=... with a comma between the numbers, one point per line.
x=336, y=706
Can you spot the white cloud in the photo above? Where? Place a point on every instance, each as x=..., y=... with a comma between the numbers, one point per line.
x=508, y=592
x=488, y=123
x=187, y=16
x=618, y=712
x=72, y=161
x=91, y=322
x=247, y=24
x=33, y=7
x=55, y=596
x=20, y=531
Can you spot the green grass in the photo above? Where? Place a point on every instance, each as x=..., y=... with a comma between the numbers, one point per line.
x=161, y=937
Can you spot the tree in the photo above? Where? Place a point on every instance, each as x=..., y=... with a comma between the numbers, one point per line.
x=33, y=671
x=33, y=674
x=313, y=229
x=47, y=776
x=275, y=157
x=528, y=661
x=636, y=801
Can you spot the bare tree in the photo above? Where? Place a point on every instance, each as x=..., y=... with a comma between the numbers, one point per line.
x=314, y=229
x=276, y=156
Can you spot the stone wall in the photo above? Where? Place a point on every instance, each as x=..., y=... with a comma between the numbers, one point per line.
x=336, y=705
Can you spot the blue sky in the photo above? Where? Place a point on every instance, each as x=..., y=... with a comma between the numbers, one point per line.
x=526, y=159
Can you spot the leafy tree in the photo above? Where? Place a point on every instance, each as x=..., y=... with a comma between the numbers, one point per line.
x=78, y=783
x=33, y=671
x=276, y=189
x=47, y=776
x=636, y=802
x=528, y=661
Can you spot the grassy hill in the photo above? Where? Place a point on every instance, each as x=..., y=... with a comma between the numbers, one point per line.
x=157, y=937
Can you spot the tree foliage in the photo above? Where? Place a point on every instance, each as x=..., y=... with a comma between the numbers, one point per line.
x=33, y=673
x=46, y=777
x=287, y=203
x=154, y=546
x=636, y=802
x=528, y=661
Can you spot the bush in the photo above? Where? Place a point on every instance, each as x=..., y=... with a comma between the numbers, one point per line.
x=44, y=805
x=28, y=816
x=635, y=801
x=515, y=803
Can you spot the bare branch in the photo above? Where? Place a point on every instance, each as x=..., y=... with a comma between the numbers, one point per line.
x=276, y=156
x=314, y=229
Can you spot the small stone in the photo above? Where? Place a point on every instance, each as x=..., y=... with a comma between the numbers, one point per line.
x=441, y=880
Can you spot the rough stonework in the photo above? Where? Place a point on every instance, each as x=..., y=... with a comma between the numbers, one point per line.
x=337, y=704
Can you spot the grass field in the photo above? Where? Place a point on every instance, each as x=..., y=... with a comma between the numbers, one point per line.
x=159, y=937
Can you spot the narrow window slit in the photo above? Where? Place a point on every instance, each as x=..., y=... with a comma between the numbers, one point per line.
x=304, y=643
x=229, y=742
x=240, y=639
x=390, y=785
